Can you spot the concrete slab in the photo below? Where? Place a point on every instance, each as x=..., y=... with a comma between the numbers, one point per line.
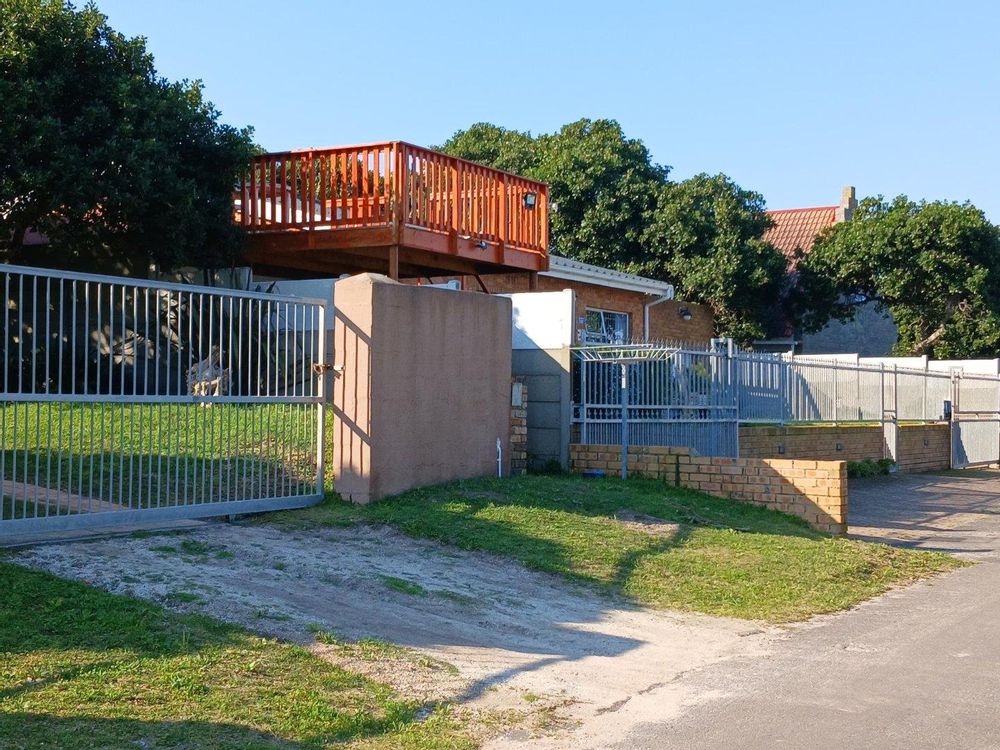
x=916, y=668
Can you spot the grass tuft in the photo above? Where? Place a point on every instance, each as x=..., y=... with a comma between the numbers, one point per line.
x=403, y=586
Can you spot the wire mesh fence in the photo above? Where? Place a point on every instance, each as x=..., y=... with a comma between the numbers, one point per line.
x=121, y=396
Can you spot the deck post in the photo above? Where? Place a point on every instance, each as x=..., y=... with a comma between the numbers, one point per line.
x=394, y=262
x=532, y=281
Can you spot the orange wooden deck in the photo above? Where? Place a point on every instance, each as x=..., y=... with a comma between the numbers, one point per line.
x=393, y=208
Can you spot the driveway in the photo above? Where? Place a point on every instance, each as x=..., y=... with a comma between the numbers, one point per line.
x=524, y=650
x=917, y=668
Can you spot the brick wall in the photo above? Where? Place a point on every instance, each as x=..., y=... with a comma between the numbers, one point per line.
x=665, y=321
x=828, y=443
x=920, y=447
x=518, y=428
x=815, y=491
x=924, y=447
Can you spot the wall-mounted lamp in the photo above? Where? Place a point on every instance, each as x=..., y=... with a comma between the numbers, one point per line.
x=529, y=200
x=685, y=313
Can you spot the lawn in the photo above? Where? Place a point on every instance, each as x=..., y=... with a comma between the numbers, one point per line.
x=82, y=669
x=146, y=455
x=715, y=556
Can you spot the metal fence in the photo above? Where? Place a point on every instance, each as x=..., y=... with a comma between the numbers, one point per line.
x=780, y=389
x=642, y=395
x=685, y=396
x=125, y=400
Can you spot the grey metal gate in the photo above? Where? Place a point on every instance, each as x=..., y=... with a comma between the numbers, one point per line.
x=646, y=394
x=975, y=421
x=126, y=401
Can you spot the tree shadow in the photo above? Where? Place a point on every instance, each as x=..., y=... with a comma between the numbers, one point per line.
x=35, y=730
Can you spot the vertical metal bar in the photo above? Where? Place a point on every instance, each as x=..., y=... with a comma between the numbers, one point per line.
x=624, y=418
x=320, y=390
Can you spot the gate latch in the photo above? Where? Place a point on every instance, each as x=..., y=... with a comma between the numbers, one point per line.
x=321, y=368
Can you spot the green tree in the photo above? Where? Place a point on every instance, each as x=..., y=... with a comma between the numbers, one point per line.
x=603, y=185
x=705, y=236
x=934, y=266
x=116, y=165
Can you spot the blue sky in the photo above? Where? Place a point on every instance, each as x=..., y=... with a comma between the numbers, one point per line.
x=793, y=99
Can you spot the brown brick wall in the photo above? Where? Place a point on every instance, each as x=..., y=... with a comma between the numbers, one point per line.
x=924, y=447
x=815, y=491
x=921, y=447
x=664, y=320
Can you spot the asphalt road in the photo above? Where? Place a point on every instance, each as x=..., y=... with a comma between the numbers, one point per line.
x=918, y=668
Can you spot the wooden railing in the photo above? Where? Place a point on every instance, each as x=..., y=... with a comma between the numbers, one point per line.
x=392, y=184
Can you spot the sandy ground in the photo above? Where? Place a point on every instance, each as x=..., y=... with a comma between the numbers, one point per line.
x=576, y=668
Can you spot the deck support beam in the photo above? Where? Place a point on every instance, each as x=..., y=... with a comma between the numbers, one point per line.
x=394, y=262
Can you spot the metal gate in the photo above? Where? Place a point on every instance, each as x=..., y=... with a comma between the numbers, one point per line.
x=975, y=421
x=128, y=401
x=656, y=395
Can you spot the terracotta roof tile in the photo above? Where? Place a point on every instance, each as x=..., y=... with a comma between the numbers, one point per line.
x=796, y=228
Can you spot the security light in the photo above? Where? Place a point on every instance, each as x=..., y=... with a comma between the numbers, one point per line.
x=685, y=313
x=529, y=200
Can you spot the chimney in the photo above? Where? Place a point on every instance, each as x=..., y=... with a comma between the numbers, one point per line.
x=847, y=204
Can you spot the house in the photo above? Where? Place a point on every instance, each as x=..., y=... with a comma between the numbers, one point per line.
x=871, y=333
x=610, y=306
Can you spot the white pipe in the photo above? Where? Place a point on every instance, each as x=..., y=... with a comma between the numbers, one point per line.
x=499, y=458
x=645, y=311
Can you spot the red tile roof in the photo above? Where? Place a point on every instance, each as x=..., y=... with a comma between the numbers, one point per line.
x=796, y=228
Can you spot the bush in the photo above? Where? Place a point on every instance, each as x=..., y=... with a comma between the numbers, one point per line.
x=869, y=468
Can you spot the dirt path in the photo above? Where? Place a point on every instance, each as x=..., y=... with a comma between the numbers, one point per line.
x=562, y=656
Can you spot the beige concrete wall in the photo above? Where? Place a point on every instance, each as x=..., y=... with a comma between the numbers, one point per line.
x=425, y=391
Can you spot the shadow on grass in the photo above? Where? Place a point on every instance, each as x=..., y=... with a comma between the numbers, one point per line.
x=35, y=730
x=89, y=657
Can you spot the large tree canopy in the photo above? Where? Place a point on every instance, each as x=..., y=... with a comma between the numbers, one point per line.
x=934, y=266
x=602, y=184
x=706, y=237
x=103, y=156
x=616, y=208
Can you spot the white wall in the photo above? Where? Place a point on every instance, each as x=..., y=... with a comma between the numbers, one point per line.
x=978, y=366
x=311, y=288
x=542, y=320
x=903, y=363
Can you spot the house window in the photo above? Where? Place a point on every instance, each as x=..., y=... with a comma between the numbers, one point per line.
x=605, y=327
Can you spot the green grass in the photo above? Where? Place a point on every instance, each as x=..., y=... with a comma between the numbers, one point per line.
x=726, y=557
x=403, y=586
x=81, y=669
x=156, y=454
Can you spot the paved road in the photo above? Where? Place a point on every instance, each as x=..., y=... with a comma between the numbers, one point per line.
x=919, y=668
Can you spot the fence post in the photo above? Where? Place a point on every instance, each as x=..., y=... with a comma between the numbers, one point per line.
x=582, y=364
x=895, y=390
x=881, y=391
x=836, y=394
x=784, y=371
x=924, y=409
x=736, y=383
x=624, y=406
x=321, y=355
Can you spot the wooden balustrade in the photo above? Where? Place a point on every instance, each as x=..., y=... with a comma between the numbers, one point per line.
x=399, y=187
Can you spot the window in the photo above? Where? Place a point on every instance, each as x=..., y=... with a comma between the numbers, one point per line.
x=605, y=327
